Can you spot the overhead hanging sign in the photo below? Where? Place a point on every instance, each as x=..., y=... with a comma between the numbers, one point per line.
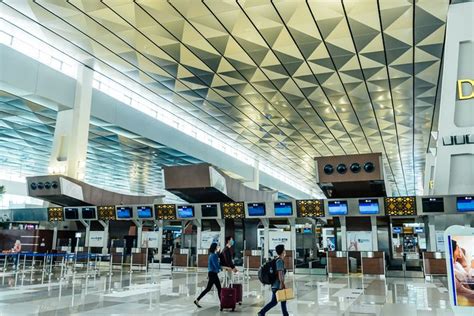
x=279, y=238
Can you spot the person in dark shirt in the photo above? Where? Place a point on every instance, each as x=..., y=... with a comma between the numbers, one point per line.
x=279, y=283
x=213, y=271
x=227, y=261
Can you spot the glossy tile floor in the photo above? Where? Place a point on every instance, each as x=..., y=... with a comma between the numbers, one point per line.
x=165, y=293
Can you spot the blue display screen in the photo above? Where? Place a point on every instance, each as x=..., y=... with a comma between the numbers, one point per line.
x=124, y=212
x=337, y=207
x=419, y=230
x=368, y=206
x=144, y=212
x=256, y=209
x=397, y=230
x=307, y=231
x=185, y=211
x=283, y=209
x=465, y=204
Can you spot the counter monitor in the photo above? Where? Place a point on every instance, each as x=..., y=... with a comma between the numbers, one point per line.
x=209, y=210
x=185, y=211
x=89, y=213
x=144, y=212
x=397, y=230
x=432, y=205
x=256, y=209
x=124, y=212
x=465, y=204
x=337, y=207
x=71, y=213
x=283, y=208
x=419, y=230
x=369, y=206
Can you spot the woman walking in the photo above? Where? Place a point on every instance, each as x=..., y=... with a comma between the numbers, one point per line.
x=213, y=267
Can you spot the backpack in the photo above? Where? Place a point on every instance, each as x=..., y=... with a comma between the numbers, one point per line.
x=222, y=260
x=267, y=274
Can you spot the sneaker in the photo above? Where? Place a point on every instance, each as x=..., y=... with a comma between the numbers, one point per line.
x=197, y=303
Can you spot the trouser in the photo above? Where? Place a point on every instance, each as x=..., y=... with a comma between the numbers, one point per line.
x=213, y=280
x=228, y=276
x=274, y=303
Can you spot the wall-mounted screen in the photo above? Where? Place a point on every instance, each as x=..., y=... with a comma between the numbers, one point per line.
x=465, y=204
x=209, y=210
x=337, y=207
x=283, y=208
x=89, y=213
x=256, y=209
x=307, y=230
x=185, y=211
x=124, y=212
x=432, y=205
x=71, y=213
x=397, y=230
x=419, y=230
x=144, y=212
x=369, y=206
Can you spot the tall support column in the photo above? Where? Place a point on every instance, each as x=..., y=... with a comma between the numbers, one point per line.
x=431, y=234
x=266, y=237
x=373, y=224
x=198, y=224
x=221, y=223
x=342, y=219
x=71, y=133
x=159, y=224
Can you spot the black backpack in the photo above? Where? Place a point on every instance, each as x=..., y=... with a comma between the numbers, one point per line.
x=267, y=273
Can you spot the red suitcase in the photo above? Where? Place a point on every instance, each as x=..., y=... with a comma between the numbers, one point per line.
x=228, y=298
x=239, y=292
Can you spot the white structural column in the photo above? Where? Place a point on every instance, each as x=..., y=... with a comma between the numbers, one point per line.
x=373, y=224
x=71, y=134
x=431, y=234
x=452, y=169
x=342, y=219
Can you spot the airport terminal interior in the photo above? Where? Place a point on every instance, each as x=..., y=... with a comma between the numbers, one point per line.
x=315, y=155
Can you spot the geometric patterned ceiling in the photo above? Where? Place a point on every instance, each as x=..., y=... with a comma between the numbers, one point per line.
x=289, y=80
x=117, y=159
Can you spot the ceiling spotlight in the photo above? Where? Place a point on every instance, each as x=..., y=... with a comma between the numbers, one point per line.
x=40, y=185
x=328, y=169
x=33, y=186
x=54, y=185
x=341, y=168
x=369, y=167
x=355, y=167
x=47, y=185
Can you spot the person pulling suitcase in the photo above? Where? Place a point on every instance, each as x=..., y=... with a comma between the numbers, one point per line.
x=213, y=267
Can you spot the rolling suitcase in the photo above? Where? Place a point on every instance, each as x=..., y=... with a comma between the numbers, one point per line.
x=238, y=288
x=228, y=298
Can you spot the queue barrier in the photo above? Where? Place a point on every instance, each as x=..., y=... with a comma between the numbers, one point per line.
x=434, y=264
x=373, y=263
x=338, y=262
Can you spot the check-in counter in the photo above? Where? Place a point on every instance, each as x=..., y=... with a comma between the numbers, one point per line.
x=202, y=258
x=139, y=256
x=413, y=266
x=434, y=263
x=252, y=259
x=117, y=255
x=181, y=258
x=373, y=262
x=338, y=262
x=82, y=254
x=290, y=260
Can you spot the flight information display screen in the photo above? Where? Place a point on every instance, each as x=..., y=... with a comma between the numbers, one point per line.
x=185, y=211
x=465, y=204
x=88, y=213
x=71, y=213
x=337, y=207
x=144, y=212
x=124, y=212
x=283, y=208
x=432, y=205
x=209, y=210
x=256, y=209
x=369, y=206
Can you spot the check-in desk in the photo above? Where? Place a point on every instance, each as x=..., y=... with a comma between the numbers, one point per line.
x=373, y=263
x=202, y=258
x=434, y=264
x=117, y=255
x=252, y=259
x=82, y=254
x=413, y=266
x=138, y=257
x=338, y=262
x=181, y=258
x=290, y=260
